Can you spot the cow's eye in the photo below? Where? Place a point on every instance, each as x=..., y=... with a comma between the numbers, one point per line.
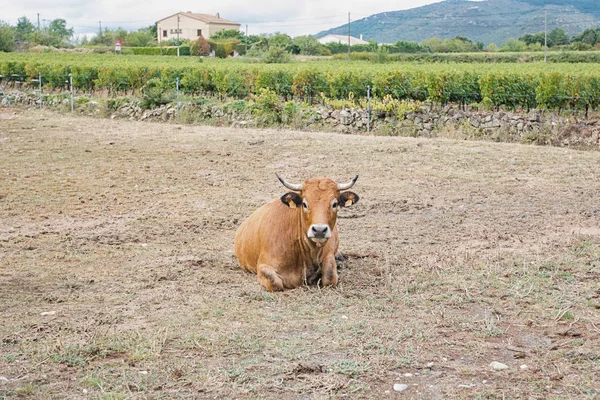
x=304, y=204
x=334, y=204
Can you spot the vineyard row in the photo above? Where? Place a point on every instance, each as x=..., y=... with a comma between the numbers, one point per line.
x=528, y=89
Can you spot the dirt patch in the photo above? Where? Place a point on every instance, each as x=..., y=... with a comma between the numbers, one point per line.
x=458, y=254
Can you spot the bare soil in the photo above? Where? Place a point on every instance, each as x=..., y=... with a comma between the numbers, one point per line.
x=118, y=279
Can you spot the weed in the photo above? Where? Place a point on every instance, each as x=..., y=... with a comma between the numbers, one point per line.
x=351, y=368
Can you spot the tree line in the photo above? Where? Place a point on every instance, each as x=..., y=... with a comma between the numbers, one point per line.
x=278, y=46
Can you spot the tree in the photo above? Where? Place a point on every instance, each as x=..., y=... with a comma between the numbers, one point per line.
x=532, y=38
x=514, y=45
x=307, y=45
x=589, y=36
x=228, y=34
x=557, y=37
x=409, y=47
x=121, y=35
x=24, y=30
x=58, y=29
x=7, y=37
x=251, y=39
x=279, y=39
x=141, y=38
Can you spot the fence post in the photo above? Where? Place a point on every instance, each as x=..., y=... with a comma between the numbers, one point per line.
x=2, y=90
x=177, y=94
x=71, y=89
x=39, y=80
x=369, y=108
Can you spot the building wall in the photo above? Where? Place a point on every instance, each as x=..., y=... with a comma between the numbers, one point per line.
x=214, y=28
x=342, y=40
x=188, y=28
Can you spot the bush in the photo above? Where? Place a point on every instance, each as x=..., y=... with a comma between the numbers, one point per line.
x=156, y=51
x=380, y=56
x=200, y=47
x=276, y=55
x=225, y=49
x=155, y=94
x=266, y=107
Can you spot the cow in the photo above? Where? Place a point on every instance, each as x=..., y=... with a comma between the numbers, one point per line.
x=293, y=240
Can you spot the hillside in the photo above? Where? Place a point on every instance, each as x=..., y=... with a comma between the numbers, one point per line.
x=490, y=21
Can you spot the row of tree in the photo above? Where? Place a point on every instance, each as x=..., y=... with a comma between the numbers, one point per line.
x=56, y=34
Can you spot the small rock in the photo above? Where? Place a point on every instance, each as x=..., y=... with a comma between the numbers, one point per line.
x=4, y=379
x=400, y=387
x=46, y=313
x=344, y=317
x=430, y=365
x=524, y=367
x=468, y=386
x=408, y=374
x=144, y=372
x=498, y=366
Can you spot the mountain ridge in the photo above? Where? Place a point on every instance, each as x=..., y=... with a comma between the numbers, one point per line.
x=488, y=21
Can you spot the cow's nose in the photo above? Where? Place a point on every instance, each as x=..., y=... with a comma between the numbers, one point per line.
x=320, y=231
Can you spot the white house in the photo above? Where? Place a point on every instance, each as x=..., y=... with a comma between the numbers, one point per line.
x=189, y=25
x=342, y=39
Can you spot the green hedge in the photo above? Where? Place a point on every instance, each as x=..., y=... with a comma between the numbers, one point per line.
x=156, y=51
x=483, y=57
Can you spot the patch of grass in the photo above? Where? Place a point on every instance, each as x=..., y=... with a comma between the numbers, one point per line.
x=25, y=391
x=352, y=368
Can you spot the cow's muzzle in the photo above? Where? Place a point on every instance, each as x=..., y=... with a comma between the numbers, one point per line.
x=319, y=233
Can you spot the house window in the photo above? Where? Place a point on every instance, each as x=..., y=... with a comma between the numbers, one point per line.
x=164, y=33
x=198, y=32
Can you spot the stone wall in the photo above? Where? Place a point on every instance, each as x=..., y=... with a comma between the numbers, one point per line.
x=449, y=121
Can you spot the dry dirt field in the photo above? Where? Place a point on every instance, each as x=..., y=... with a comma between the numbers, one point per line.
x=118, y=279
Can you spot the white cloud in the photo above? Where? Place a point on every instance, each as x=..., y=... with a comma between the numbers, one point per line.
x=294, y=18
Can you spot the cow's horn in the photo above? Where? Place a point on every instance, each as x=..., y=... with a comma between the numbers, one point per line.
x=346, y=186
x=292, y=186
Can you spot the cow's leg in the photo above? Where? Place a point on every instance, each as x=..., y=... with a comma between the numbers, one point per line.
x=269, y=278
x=329, y=271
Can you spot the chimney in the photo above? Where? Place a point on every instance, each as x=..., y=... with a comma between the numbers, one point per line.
x=218, y=16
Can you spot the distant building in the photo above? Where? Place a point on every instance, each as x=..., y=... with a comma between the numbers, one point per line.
x=342, y=39
x=189, y=25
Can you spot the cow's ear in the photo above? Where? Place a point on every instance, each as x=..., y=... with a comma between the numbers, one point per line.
x=348, y=198
x=292, y=200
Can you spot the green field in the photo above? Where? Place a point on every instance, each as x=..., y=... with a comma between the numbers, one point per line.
x=555, y=86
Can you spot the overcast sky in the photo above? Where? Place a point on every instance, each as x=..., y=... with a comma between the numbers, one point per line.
x=299, y=17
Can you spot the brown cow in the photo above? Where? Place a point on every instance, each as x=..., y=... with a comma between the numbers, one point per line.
x=293, y=240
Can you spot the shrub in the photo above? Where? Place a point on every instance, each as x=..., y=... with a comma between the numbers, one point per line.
x=155, y=94
x=276, y=55
x=200, y=47
x=380, y=56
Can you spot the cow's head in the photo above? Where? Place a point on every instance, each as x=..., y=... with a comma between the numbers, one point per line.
x=318, y=201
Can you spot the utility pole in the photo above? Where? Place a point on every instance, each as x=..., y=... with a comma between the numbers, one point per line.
x=178, y=44
x=38, y=21
x=100, y=22
x=348, y=36
x=246, y=38
x=545, y=32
